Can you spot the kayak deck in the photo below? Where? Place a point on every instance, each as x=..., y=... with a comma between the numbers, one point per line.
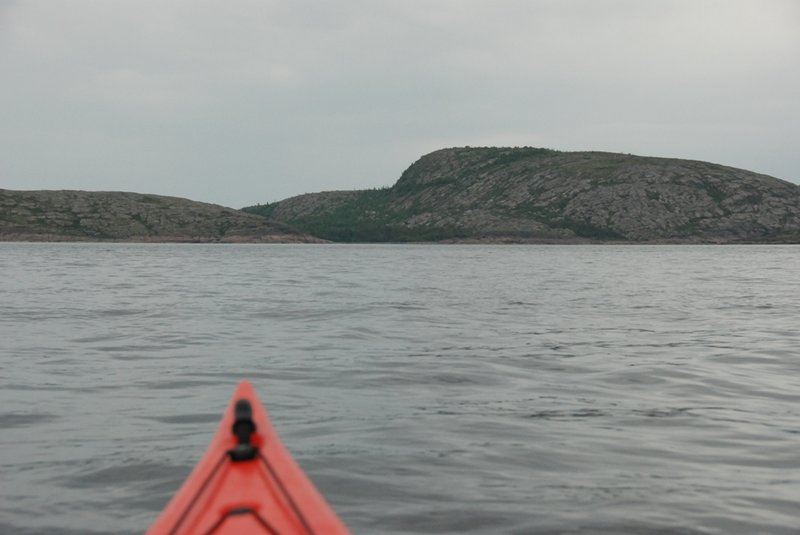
x=247, y=483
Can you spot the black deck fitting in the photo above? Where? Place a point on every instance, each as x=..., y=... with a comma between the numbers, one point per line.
x=243, y=428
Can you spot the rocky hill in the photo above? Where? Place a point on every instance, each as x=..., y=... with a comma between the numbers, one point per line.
x=540, y=195
x=94, y=216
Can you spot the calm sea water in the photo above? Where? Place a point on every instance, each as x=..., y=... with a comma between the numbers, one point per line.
x=425, y=389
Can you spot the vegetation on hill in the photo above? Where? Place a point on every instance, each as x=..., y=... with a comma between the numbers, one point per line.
x=369, y=216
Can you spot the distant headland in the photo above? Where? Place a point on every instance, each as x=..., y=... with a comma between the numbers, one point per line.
x=483, y=195
x=521, y=195
x=132, y=217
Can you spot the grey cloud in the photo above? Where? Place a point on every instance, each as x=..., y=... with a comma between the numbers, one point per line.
x=251, y=101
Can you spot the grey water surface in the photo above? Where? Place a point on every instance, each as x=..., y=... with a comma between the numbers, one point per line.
x=424, y=388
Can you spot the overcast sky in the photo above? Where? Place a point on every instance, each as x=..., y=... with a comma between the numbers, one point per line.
x=239, y=102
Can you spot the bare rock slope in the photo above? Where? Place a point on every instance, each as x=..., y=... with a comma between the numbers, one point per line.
x=530, y=194
x=118, y=216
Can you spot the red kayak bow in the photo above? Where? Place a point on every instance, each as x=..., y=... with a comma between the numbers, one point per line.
x=247, y=483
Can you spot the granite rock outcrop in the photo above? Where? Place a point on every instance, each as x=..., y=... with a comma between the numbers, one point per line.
x=119, y=216
x=540, y=195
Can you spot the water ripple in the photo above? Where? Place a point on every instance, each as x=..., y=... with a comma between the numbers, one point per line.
x=425, y=389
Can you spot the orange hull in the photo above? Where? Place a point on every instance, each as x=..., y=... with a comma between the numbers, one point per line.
x=247, y=483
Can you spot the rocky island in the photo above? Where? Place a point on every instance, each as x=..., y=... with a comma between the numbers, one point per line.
x=119, y=216
x=489, y=194
x=546, y=196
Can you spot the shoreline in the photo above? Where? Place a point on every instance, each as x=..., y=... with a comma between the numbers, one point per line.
x=289, y=239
